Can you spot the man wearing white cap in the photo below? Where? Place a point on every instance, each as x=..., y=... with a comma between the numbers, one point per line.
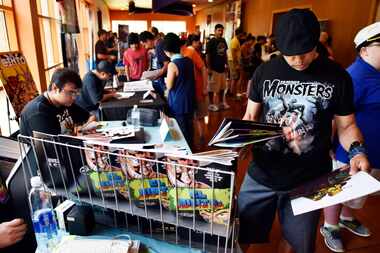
x=303, y=92
x=365, y=73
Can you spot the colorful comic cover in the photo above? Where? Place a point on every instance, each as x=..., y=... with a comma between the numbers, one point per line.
x=198, y=191
x=146, y=179
x=17, y=80
x=104, y=173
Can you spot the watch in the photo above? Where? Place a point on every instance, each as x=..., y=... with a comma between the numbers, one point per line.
x=356, y=148
x=355, y=144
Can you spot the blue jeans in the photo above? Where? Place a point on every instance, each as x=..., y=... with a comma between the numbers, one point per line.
x=257, y=206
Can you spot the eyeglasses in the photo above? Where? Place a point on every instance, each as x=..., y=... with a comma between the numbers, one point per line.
x=71, y=93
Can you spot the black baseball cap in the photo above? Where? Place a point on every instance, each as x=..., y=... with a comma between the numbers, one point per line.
x=105, y=66
x=297, y=32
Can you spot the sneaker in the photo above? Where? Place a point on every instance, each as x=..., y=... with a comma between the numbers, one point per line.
x=213, y=108
x=332, y=237
x=355, y=227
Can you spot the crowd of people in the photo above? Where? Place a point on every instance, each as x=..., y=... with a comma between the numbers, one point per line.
x=289, y=78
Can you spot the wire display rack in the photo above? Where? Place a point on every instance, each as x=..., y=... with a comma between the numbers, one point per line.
x=160, y=195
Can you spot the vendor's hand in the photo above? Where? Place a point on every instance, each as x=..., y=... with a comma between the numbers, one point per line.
x=115, y=94
x=11, y=232
x=359, y=162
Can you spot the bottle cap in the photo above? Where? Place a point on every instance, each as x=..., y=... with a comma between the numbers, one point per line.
x=36, y=181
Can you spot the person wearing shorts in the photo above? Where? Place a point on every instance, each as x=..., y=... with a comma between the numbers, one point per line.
x=365, y=73
x=216, y=55
x=200, y=75
x=303, y=93
x=234, y=58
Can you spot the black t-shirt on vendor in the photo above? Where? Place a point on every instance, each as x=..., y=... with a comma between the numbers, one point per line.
x=100, y=48
x=307, y=101
x=217, y=50
x=42, y=116
x=91, y=93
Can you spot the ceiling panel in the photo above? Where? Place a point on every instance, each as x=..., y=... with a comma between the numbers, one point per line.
x=123, y=4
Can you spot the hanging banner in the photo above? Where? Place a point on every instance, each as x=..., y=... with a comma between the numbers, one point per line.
x=17, y=80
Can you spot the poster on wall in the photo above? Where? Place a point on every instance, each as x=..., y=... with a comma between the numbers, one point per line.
x=233, y=19
x=123, y=31
x=68, y=12
x=17, y=80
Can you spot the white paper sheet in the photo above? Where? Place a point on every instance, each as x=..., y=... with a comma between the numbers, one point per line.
x=142, y=85
x=359, y=185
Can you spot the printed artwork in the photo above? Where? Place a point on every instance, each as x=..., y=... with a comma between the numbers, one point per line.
x=331, y=189
x=297, y=105
x=17, y=80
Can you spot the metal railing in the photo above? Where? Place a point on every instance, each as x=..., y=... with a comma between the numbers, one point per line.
x=182, y=200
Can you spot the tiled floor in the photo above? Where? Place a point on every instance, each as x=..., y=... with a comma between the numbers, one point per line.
x=368, y=215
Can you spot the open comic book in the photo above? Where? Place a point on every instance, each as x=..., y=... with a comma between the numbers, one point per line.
x=235, y=133
x=331, y=189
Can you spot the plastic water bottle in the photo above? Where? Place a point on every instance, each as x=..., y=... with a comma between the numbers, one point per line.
x=115, y=82
x=43, y=217
x=135, y=117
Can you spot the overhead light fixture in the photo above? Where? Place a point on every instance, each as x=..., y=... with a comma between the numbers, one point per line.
x=210, y=1
x=194, y=5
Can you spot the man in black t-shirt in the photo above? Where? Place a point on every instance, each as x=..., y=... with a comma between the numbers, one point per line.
x=55, y=112
x=303, y=92
x=216, y=56
x=93, y=91
x=102, y=52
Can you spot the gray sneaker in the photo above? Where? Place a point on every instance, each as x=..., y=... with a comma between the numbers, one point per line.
x=355, y=227
x=333, y=240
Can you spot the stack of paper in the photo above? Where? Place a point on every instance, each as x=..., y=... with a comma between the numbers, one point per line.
x=123, y=95
x=142, y=85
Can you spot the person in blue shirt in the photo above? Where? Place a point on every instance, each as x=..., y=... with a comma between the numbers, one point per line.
x=93, y=92
x=181, y=85
x=365, y=73
x=159, y=62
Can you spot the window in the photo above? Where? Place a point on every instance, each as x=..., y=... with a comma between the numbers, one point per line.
x=8, y=43
x=170, y=26
x=8, y=38
x=135, y=26
x=50, y=29
x=85, y=36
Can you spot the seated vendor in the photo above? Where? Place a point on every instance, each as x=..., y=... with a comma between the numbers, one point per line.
x=93, y=91
x=54, y=112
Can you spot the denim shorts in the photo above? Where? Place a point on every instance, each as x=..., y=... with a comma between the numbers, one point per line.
x=257, y=206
